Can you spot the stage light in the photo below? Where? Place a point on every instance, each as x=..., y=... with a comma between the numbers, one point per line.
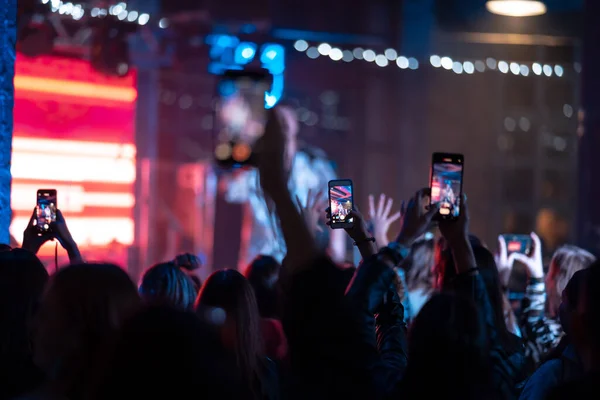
x=301, y=45
x=391, y=54
x=312, y=52
x=446, y=63
x=75, y=89
x=480, y=66
x=324, y=49
x=516, y=8
x=402, y=62
x=457, y=67
x=163, y=23
x=547, y=70
x=413, y=63
x=491, y=63
x=347, y=56
x=132, y=16
x=524, y=70
x=468, y=67
x=336, y=54
x=358, y=53
x=435, y=61
x=244, y=53
x=536, y=68
x=515, y=68
x=143, y=19
x=381, y=60
x=559, y=71
x=369, y=55
x=503, y=67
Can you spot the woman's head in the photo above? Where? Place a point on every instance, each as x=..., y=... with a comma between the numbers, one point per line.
x=566, y=261
x=231, y=292
x=418, y=265
x=167, y=284
x=190, y=264
x=22, y=281
x=263, y=275
x=82, y=307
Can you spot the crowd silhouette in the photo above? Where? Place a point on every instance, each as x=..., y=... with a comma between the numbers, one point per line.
x=421, y=316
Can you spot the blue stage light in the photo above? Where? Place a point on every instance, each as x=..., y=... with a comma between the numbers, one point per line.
x=244, y=53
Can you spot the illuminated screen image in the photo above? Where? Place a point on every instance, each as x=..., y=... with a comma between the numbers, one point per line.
x=45, y=211
x=340, y=203
x=241, y=117
x=446, y=186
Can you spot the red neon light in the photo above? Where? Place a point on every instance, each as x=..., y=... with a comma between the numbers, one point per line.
x=75, y=89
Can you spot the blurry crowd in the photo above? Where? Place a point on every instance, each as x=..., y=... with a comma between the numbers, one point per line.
x=424, y=315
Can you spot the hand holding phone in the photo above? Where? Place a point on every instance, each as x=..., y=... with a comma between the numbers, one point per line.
x=240, y=116
x=341, y=203
x=46, y=207
x=522, y=244
x=447, y=184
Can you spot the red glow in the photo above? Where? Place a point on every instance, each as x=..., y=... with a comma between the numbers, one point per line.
x=74, y=131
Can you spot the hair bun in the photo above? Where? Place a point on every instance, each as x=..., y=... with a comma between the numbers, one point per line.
x=188, y=261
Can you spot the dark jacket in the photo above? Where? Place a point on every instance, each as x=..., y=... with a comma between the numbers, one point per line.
x=337, y=347
x=507, y=365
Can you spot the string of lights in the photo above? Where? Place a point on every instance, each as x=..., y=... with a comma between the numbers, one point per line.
x=78, y=11
x=385, y=59
x=469, y=67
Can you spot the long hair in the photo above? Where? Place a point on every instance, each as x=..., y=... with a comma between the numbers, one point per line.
x=167, y=284
x=263, y=274
x=566, y=261
x=418, y=265
x=22, y=281
x=489, y=273
x=230, y=291
x=83, y=306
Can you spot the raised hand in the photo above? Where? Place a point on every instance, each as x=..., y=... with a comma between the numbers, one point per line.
x=414, y=220
x=380, y=218
x=502, y=262
x=271, y=150
x=33, y=238
x=311, y=211
x=458, y=230
x=534, y=262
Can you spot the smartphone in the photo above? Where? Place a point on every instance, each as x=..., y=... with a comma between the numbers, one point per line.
x=518, y=243
x=447, y=184
x=240, y=116
x=45, y=209
x=341, y=202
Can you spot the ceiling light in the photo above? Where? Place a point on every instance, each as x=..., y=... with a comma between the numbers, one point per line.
x=516, y=8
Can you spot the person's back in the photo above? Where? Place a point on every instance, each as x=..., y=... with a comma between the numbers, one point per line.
x=22, y=281
x=83, y=306
x=230, y=292
x=167, y=353
x=447, y=353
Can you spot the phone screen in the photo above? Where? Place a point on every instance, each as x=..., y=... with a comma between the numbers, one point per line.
x=341, y=202
x=46, y=208
x=240, y=116
x=446, y=184
x=518, y=244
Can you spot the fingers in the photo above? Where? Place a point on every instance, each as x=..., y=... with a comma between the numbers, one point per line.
x=309, y=199
x=434, y=209
x=537, y=243
x=371, y=206
x=388, y=207
x=299, y=203
x=381, y=205
x=464, y=208
x=33, y=217
x=403, y=207
x=503, y=248
x=394, y=217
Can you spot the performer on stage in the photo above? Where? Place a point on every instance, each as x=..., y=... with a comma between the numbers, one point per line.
x=309, y=170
